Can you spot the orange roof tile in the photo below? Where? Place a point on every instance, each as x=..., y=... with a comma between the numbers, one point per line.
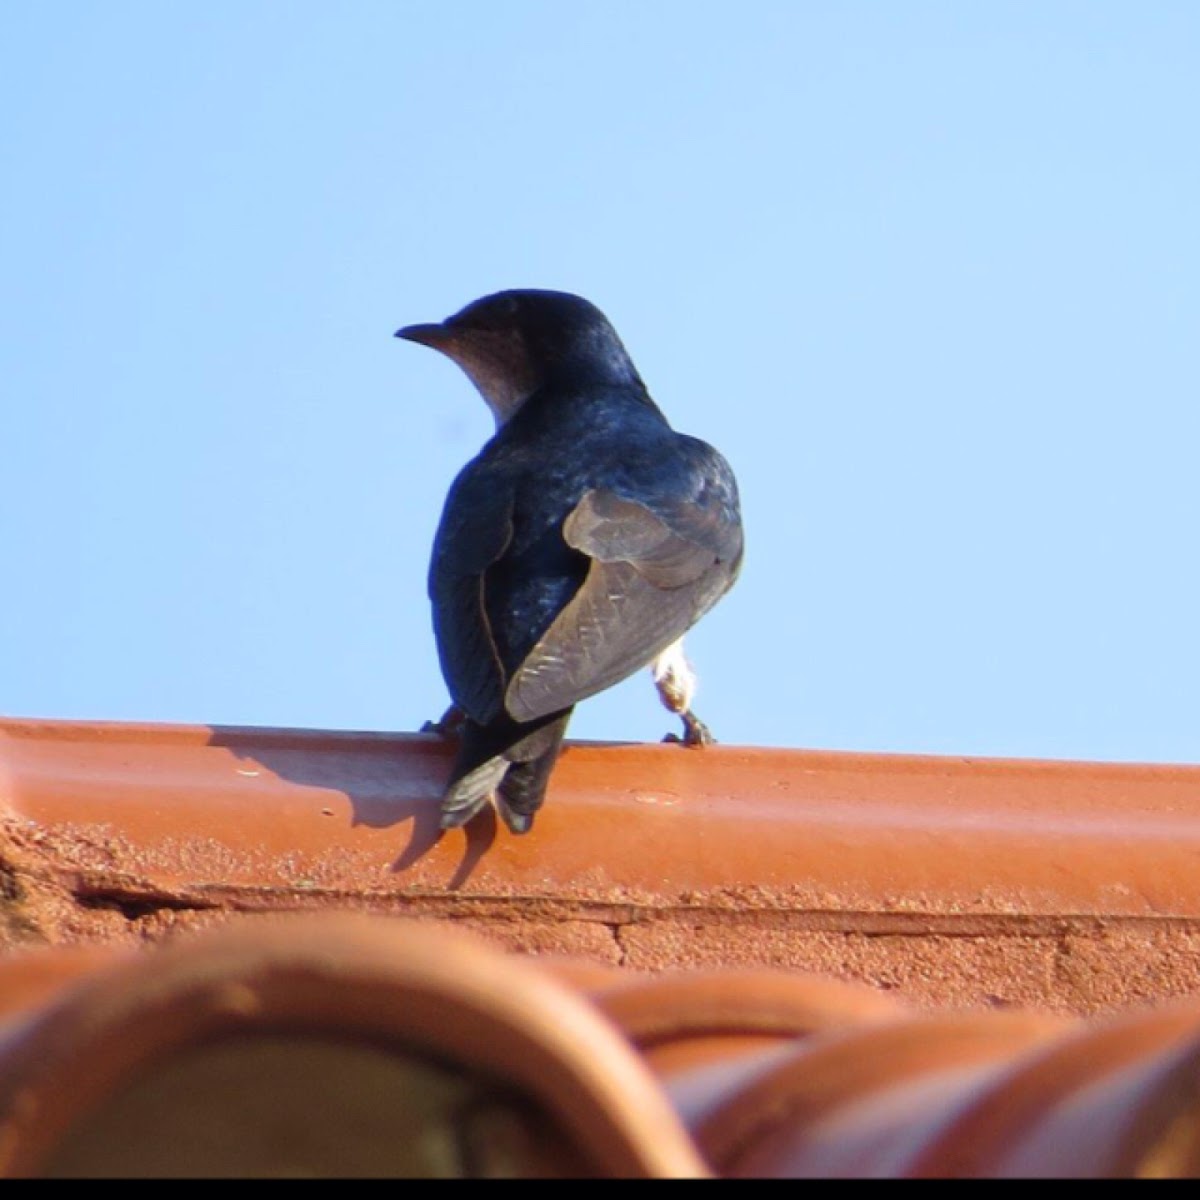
x=333, y=1044
x=658, y=1020
x=953, y=882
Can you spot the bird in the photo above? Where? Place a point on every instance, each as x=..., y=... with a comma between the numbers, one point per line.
x=578, y=547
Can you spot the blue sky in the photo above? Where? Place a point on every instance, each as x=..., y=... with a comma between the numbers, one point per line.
x=925, y=272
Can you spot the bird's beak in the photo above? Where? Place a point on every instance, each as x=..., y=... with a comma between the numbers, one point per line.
x=437, y=336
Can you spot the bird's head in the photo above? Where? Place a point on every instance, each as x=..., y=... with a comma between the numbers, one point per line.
x=513, y=343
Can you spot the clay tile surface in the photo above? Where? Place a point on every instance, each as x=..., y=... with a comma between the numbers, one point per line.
x=342, y=1045
x=334, y=1045
x=251, y=952
x=952, y=882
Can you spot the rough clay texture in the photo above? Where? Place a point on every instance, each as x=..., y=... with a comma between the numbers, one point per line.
x=955, y=884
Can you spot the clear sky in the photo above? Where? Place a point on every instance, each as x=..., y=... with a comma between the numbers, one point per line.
x=927, y=273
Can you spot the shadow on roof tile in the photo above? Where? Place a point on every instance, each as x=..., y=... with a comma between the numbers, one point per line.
x=954, y=883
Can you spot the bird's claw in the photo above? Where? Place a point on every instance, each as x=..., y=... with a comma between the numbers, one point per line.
x=695, y=732
x=449, y=726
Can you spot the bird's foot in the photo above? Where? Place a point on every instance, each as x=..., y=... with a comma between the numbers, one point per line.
x=695, y=732
x=676, y=684
x=450, y=724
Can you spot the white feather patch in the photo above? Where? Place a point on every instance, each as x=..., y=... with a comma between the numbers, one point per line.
x=674, y=678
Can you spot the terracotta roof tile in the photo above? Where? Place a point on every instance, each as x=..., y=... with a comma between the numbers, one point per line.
x=332, y=1044
x=954, y=882
x=277, y=1046
x=172, y=1002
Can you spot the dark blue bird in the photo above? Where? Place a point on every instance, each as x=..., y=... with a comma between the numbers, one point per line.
x=579, y=546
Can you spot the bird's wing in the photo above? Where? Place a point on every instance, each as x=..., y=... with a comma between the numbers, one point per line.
x=475, y=530
x=654, y=572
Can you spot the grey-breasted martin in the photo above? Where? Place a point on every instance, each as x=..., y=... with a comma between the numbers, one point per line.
x=580, y=544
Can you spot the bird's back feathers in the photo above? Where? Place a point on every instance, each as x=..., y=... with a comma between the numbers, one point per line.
x=585, y=539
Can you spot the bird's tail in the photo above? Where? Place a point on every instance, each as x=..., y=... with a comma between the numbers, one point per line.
x=507, y=761
x=466, y=796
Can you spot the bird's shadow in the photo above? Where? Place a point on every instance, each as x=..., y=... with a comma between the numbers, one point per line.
x=389, y=779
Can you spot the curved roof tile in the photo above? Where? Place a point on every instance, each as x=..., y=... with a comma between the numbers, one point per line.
x=744, y=962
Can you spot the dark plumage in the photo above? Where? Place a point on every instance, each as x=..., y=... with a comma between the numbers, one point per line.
x=579, y=546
